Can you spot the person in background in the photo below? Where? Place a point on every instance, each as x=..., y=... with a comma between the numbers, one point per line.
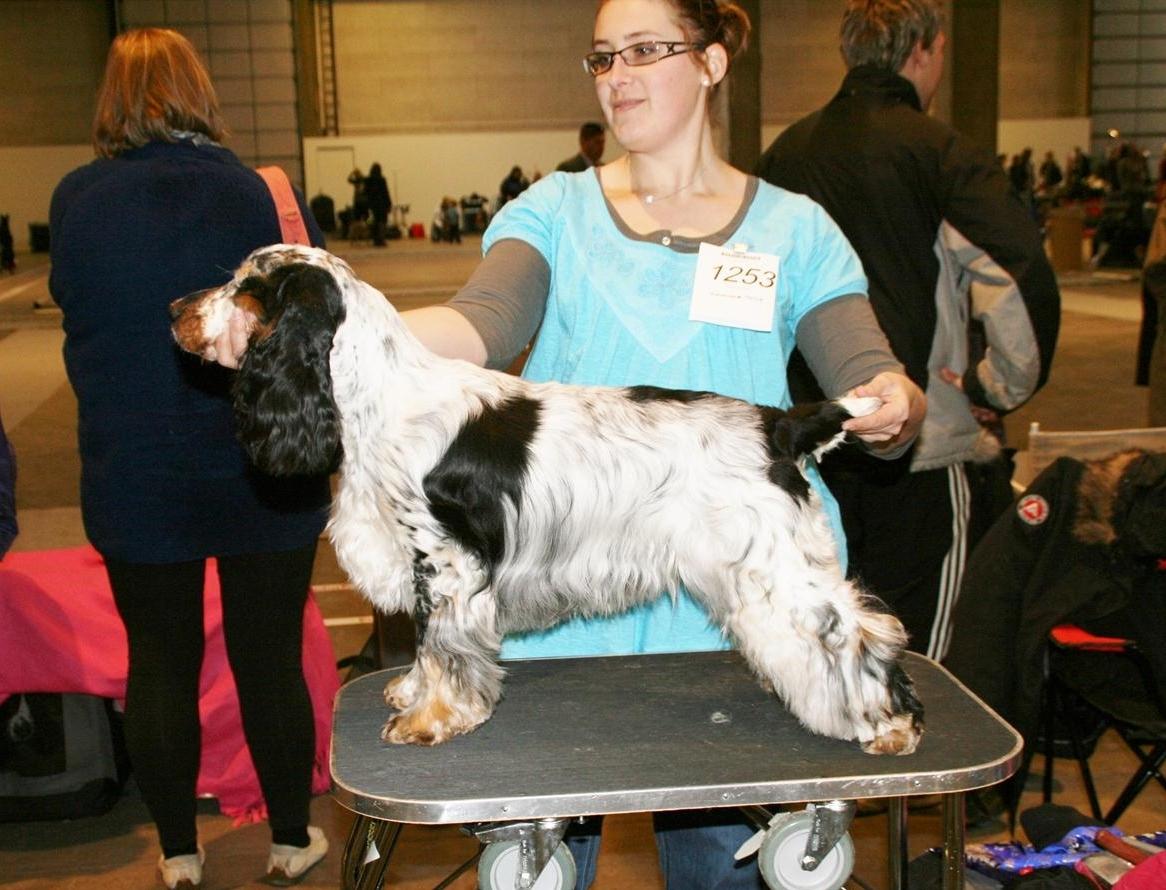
x=617, y=313
x=936, y=219
x=163, y=211
x=1150, y=366
x=592, y=140
x=512, y=186
x=376, y=195
x=7, y=248
x=1078, y=169
x=359, y=204
x=1022, y=176
x=8, y=526
x=1050, y=174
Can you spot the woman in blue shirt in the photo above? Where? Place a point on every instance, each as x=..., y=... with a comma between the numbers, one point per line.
x=606, y=266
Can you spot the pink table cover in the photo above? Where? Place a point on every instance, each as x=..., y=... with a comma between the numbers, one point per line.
x=60, y=632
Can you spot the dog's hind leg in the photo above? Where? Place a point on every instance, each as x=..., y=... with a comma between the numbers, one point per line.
x=831, y=654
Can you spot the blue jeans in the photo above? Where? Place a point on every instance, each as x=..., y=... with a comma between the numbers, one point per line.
x=695, y=847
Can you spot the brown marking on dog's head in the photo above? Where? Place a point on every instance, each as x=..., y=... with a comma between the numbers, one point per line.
x=189, y=327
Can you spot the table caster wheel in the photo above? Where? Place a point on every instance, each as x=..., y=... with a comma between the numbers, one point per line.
x=780, y=857
x=498, y=868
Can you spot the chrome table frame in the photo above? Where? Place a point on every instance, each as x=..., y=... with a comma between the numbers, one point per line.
x=591, y=736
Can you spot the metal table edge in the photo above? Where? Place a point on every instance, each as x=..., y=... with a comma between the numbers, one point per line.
x=640, y=800
x=651, y=800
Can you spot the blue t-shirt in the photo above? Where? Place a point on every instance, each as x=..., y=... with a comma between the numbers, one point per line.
x=617, y=314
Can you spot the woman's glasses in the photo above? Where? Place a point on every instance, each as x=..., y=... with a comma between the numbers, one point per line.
x=646, y=53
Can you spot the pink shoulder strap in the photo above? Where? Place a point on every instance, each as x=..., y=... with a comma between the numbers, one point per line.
x=291, y=223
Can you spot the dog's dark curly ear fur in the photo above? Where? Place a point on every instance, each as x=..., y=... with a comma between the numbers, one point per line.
x=285, y=415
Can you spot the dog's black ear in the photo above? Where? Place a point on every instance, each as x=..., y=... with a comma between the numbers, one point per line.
x=285, y=414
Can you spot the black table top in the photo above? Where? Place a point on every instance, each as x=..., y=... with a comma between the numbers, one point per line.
x=584, y=736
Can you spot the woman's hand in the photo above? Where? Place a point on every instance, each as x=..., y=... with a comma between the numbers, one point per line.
x=231, y=345
x=898, y=419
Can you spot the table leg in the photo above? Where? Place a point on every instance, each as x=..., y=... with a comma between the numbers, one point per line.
x=367, y=851
x=897, y=842
x=953, y=841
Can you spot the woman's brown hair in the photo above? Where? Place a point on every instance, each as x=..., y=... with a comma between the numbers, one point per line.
x=154, y=85
x=712, y=21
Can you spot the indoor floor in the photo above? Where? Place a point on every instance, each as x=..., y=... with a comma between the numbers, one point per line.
x=1091, y=388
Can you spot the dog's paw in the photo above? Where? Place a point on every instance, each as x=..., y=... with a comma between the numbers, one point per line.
x=434, y=720
x=899, y=735
x=401, y=692
x=432, y=723
x=402, y=730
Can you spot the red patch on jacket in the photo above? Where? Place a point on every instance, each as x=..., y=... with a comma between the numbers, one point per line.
x=1033, y=509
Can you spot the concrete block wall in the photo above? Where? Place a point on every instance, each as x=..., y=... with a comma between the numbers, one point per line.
x=483, y=84
x=1129, y=74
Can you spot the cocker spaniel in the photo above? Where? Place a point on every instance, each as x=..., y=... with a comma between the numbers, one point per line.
x=485, y=504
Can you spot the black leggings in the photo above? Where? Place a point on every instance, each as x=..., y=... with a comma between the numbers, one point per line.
x=263, y=597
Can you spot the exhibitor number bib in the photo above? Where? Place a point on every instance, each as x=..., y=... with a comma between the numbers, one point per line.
x=734, y=288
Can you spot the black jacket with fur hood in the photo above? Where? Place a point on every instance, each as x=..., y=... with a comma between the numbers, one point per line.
x=1085, y=544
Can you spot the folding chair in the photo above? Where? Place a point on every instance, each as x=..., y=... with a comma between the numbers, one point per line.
x=1127, y=699
x=1028, y=597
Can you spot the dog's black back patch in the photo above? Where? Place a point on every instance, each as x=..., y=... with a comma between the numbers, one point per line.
x=660, y=394
x=484, y=467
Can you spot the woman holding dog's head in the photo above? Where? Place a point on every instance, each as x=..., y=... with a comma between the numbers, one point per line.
x=611, y=265
x=165, y=210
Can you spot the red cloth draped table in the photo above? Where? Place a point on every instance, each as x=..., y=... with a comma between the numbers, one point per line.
x=60, y=632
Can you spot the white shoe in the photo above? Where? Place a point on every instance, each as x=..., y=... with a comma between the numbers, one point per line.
x=182, y=871
x=287, y=865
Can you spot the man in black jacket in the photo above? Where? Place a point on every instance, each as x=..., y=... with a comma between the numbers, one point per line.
x=943, y=245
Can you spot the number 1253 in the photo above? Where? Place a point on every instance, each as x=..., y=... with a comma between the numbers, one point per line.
x=746, y=275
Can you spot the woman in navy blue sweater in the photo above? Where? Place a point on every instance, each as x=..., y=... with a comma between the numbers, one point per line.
x=165, y=210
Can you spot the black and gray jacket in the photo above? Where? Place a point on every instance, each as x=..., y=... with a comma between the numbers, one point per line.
x=1085, y=544
x=942, y=242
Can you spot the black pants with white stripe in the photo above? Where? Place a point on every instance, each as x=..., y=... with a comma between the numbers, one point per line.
x=909, y=536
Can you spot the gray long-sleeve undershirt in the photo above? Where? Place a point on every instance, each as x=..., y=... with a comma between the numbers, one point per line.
x=505, y=298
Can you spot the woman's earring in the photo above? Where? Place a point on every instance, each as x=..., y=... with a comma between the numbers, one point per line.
x=704, y=82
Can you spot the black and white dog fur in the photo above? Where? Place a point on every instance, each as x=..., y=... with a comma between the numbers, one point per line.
x=484, y=504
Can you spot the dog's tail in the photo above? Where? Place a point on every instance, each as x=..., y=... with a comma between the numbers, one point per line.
x=816, y=427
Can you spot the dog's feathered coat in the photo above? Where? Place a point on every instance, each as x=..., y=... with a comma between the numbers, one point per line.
x=485, y=504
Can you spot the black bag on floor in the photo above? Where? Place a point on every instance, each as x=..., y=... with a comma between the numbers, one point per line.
x=324, y=211
x=61, y=757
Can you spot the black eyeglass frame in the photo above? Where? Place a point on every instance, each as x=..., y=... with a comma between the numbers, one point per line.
x=675, y=48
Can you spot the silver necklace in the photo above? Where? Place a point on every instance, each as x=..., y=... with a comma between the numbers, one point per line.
x=653, y=199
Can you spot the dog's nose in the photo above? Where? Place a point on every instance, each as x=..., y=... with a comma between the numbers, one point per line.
x=177, y=307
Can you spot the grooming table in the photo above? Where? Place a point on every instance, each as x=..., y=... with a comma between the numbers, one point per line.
x=588, y=736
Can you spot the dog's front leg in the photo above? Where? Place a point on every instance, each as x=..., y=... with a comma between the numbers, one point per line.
x=455, y=681
x=404, y=689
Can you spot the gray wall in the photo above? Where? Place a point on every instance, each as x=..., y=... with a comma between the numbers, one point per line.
x=1045, y=76
x=431, y=65
x=53, y=56
x=465, y=66
x=1129, y=72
